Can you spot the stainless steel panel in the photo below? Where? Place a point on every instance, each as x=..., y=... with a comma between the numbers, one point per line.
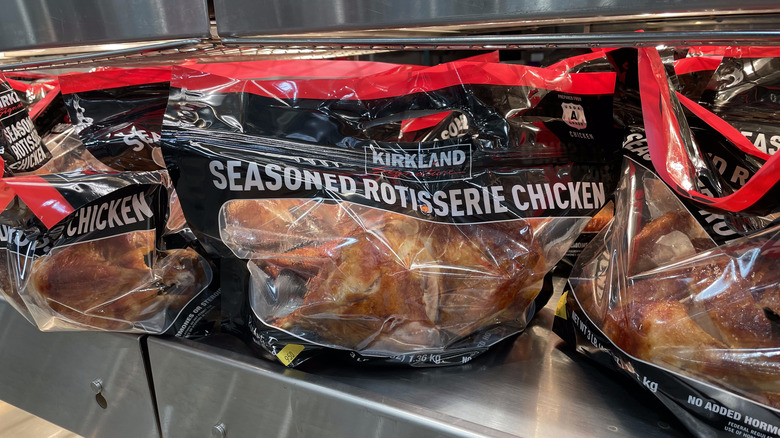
x=37, y=24
x=56, y=375
x=267, y=17
x=533, y=386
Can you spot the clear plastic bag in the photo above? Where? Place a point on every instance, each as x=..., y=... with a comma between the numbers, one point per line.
x=675, y=293
x=658, y=287
x=347, y=222
x=358, y=278
x=88, y=251
x=119, y=283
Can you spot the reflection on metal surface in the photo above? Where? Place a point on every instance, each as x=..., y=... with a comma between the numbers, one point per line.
x=174, y=52
x=532, y=385
x=236, y=18
x=80, y=32
x=617, y=39
x=51, y=375
x=26, y=24
x=99, y=57
x=233, y=49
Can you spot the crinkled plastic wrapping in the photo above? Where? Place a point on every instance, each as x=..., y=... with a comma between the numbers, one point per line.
x=90, y=256
x=8, y=290
x=120, y=283
x=743, y=91
x=675, y=293
x=68, y=153
x=380, y=283
x=658, y=287
x=694, y=72
x=117, y=114
x=406, y=218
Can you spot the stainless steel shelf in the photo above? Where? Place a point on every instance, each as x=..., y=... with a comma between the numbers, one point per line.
x=231, y=49
x=615, y=39
x=533, y=386
x=74, y=34
x=172, y=52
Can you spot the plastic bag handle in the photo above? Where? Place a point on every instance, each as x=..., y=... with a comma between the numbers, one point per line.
x=667, y=148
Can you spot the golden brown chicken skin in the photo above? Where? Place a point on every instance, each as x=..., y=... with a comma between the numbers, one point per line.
x=108, y=284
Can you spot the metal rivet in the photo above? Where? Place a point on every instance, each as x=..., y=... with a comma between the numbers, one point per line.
x=97, y=386
x=219, y=431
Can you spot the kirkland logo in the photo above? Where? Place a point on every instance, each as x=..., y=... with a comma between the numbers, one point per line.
x=438, y=162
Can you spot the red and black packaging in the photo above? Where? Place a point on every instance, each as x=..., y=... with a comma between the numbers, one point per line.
x=40, y=93
x=336, y=237
x=118, y=114
x=679, y=292
x=579, y=61
x=694, y=73
x=86, y=251
x=743, y=92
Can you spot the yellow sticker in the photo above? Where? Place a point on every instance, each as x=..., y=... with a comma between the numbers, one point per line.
x=289, y=353
x=560, y=310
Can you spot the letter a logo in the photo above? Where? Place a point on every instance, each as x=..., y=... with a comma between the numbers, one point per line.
x=574, y=115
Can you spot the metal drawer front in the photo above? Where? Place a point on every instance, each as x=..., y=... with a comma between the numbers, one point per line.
x=57, y=376
x=527, y=387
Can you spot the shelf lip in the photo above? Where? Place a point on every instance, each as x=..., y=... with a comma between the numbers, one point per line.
x=762, y=37
x=242, y=18
x=197, y=47
x=94, y=56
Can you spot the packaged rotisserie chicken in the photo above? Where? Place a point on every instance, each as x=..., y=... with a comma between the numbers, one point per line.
x=680, y=292
x=335, y=236
x=85, y=251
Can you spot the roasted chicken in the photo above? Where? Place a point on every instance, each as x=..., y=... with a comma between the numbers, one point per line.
x=120, y=283
x=385, y=282
x=713, y=315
